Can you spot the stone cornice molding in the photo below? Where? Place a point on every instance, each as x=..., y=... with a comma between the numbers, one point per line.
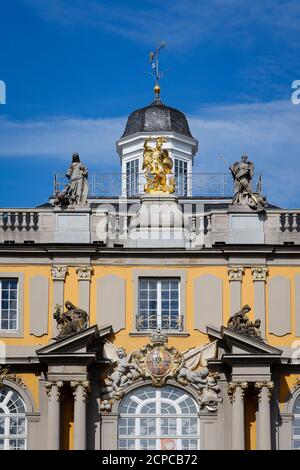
x=235, y=273
x=59, y=272
x=260, y=273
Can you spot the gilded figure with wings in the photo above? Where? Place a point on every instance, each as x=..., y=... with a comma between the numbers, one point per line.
x=157, y=165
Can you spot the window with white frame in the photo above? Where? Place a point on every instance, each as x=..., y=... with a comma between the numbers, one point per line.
x=181, y=177
x=296, y=425
x=132, y=177
x=8, y=304
x=158, y=304
x=158, y=418
x=12, y=420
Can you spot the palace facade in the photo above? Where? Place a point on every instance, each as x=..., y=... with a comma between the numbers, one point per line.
x=176, y=315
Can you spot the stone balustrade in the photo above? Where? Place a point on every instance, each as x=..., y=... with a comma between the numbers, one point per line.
x=113, y=225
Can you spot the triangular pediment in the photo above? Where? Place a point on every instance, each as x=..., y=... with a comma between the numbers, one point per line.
x=237, y=343
x=78, y=344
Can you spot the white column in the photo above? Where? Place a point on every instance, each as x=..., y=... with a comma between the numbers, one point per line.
x=264, y=415
x=53, y=392
x=237, y=392
x=58, y=273
x=259, y=274
x=235, y=274
x=80, y=390
x=84, y=277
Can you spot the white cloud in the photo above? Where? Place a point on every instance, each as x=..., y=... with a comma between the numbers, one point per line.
x=60, y=137
x=267, y=132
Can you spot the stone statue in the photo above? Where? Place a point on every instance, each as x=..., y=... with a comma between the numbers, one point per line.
x=72, y=321
x=240, y=322
x=125, y=373
x=76, y=191
x=242, y=173
x=157, y=165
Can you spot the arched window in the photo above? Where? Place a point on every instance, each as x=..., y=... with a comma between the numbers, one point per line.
x=296, y=424
x=12, y=420
x=158, y=418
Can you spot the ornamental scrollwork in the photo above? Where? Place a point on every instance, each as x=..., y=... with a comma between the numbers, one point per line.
x=5, y=374
x=160, y=363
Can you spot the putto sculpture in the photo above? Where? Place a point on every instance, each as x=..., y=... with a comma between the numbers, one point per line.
x=240, y=322
x=70, y=322
x=242, y=173
x=159, y=363
x=76, y=191
x=157, y=164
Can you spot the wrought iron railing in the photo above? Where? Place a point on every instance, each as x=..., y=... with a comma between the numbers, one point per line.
x=190, y=184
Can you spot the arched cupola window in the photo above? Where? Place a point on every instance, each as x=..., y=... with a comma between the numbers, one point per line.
x=12, y=420
x=158, y=418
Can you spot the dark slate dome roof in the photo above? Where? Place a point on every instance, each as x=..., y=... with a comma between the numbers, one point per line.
x=157, y=117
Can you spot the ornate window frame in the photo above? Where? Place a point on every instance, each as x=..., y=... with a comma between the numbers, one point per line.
x=19, y=333
x=208, y=422
x=286, y=417
x=159, y=274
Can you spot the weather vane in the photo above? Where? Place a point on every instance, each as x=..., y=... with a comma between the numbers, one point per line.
x=154, y=61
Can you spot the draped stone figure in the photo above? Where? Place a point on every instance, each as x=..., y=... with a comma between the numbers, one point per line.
x=76, y=191
x=242, y=173
x=72, y=321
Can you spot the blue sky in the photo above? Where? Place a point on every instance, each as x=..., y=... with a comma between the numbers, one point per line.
x=74, y=70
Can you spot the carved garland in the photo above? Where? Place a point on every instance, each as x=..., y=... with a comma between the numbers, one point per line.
x=6, y=375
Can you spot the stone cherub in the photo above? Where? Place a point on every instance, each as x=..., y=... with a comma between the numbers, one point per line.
x=240, y=322
x=123, y=374
x=76, y=191
x=72, y=321
x=242, y=173
x=157, y=164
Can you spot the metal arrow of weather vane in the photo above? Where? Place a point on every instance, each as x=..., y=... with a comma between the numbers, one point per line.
x=154, y=61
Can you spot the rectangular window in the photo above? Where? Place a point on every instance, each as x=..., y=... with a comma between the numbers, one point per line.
x=132, y=177
x=181, y=177
x=9, y=304
x=158, y=305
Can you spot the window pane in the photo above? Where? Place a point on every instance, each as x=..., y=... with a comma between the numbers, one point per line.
x=8, y=313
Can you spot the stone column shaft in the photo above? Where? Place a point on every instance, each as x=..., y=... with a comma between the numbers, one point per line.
x=264, y=415
x=235, y=274
x=259, y=274
x=53, y=391
x=58, y=273
x=238, y=415
x=80, y=390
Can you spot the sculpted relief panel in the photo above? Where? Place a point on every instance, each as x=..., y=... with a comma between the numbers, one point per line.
x=159, y=363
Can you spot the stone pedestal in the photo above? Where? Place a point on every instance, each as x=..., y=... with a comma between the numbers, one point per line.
x=245, y=226
x=158, y=223
x=72, y=226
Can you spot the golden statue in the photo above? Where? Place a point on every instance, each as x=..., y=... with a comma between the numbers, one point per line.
x=157, y=165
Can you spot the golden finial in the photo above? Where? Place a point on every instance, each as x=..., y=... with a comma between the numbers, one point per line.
x=154, y=61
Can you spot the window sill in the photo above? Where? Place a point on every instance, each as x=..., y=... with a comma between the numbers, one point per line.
x=11, y=334
x=182, y=334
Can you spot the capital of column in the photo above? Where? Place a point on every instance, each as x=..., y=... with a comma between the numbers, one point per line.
x=59, y=272
x=235, y=273
x=260, y=273
x=54, y=387
x=232, y=388
x=259, y=386
x=83, y=386
x=84, y=273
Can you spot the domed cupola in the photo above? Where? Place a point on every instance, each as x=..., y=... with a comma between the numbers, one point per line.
x=153, y=121
x=157, y=117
